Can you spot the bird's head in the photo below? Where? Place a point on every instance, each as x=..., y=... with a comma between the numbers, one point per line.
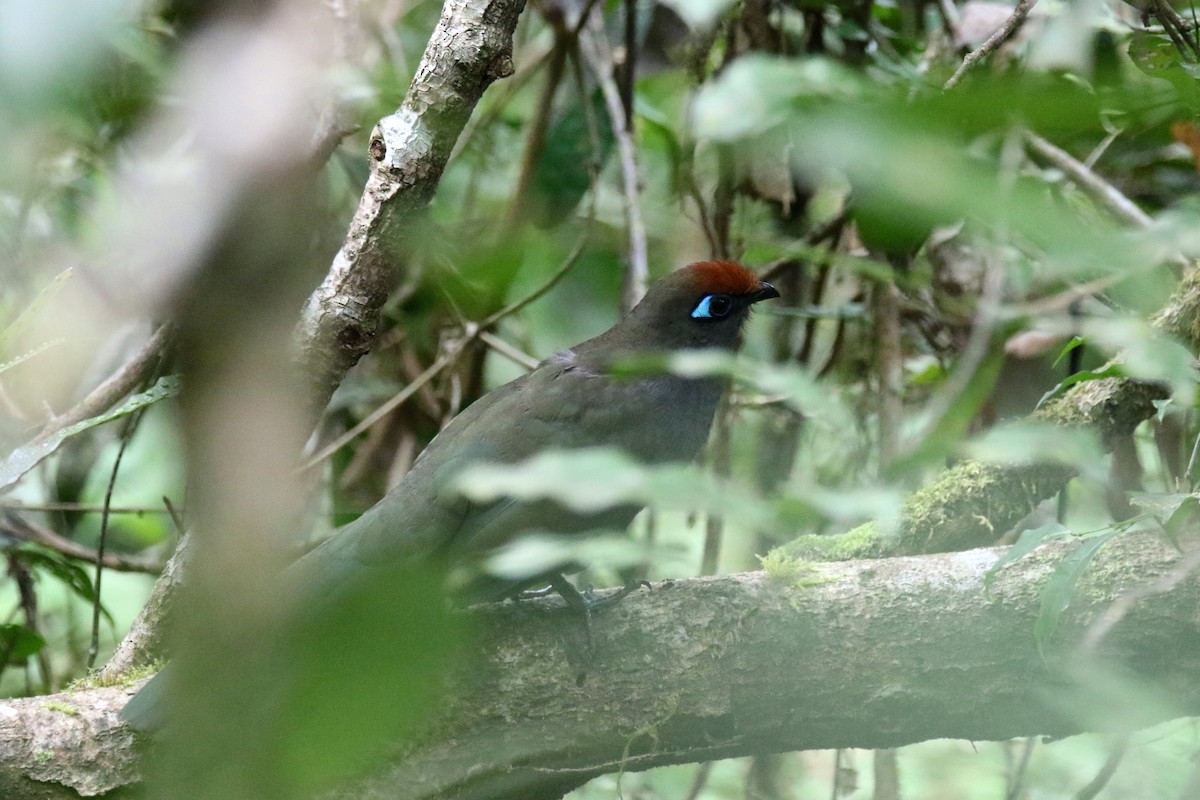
x=701, y=305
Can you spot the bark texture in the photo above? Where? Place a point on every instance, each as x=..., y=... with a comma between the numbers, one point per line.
x=869, y=654
x=470, y=48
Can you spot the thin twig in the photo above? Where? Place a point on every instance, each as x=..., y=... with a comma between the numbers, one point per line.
x=176, y=515
x=721, y=450
x=698, y=781
x=829, y=230
x=993, y=43
x=1102, y=148
x=594, y=46
x=431, y=372
x=887, y=776
x=1016, y=781
x=471, y=331
x=1192, y=463
x=127, y=429
x=1106, y=772
x=132, y=373
x=1101, y=190
x=510, y=88
x=20, y=528
x=1066, y=298
x=1177, y=29
x=885, y=302
x=508, y=351
x=535, y=144
x=722, y=206
x=552, y=281
x=27, y=600
x=837, y=790
x=629, y=70
x=83, y=508
x=973, y=353
x=950, y=16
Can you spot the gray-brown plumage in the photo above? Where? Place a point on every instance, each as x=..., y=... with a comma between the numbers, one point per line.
x=569, y=401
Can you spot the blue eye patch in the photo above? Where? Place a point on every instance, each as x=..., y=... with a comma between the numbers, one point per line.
x=712, y=306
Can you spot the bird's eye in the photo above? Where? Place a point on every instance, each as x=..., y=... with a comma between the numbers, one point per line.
x=713, y=306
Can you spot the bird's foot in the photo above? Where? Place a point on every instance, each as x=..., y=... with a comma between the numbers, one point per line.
x=597, y=603
x=577, y=604
x=583, y=604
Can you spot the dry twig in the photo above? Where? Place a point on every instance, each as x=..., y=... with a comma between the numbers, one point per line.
x=993, y=43
x=1101, y=190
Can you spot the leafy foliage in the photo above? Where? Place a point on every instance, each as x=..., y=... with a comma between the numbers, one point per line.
x=944, y=274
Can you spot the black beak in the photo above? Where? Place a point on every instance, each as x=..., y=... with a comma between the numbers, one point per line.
x=765, y=292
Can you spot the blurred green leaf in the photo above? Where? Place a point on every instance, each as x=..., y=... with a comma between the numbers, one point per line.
x=1027, y=542
x=18, y=643
x=755, y=93
x=563, y=173
x=1034, y=442
x=1147, y=353
x=71, y=573
x=594, y=479
x=47, y=45
x=947, y=431
x=1110, y=371
x=354, y=672
x=1075, y=342
x=535, y=553
x=1177, y=512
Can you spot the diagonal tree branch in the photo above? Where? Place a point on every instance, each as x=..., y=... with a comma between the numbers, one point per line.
x=470, y=48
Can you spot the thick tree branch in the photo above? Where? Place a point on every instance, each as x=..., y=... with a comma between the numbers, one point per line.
x=470, y=48
x=855, y=654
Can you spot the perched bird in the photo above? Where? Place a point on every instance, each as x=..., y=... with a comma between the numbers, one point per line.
x=571, y=400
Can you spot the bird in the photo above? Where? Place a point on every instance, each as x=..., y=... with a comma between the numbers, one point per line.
x=571, y=400
x=577, y=398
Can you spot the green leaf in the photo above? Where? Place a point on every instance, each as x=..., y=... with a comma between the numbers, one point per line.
x=18, y=643
x=28, y=456
x=1076, y=341
x=1029, y=540
x=70, y=572
x=1109, y=371
x=1181, y=519
x=562, y=176
x=593, y=479
x=1057, y=593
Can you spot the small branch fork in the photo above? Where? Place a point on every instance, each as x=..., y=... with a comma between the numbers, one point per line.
x=993, y=43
